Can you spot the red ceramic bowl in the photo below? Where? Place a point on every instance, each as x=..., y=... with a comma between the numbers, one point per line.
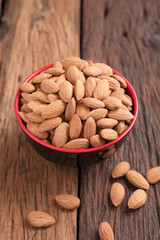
x=83, y=156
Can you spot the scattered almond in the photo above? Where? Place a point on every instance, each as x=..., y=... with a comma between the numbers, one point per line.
x=69, y=202
x=117, y=194
x=137, y=179
x=120, y=169
x=105, y=231
x=137, y=199
x=153, y=175
x=40, y=219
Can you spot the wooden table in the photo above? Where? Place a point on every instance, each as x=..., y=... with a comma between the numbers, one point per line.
x=124, y=34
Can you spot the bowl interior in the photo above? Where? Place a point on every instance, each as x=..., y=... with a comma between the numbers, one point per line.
x=129, y=90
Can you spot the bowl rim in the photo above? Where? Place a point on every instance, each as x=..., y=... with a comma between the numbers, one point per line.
x=17, y=104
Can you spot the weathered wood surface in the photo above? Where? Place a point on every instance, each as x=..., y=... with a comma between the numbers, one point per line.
x=126, y=35
x=32, y=34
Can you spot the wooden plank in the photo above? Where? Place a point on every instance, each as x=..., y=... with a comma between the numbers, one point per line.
x=125, y=34
x=33, y=34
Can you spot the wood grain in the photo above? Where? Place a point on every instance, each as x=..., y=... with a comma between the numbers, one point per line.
x=126, y=35
x=32, y=34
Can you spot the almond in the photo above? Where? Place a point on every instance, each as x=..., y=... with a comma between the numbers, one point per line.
x=33, y=128
x=105, y=231
x=34, y=117
x=113, y=83
x=112, y=102
x=54, y=109
x=39, y=95
x=123, y=107
x=105, y=69
x=73, y=61
x=98, y=80
x=39, y=109
x=117, y=193
x=120, y=114
x=120, y=127
x=73, y=74
x=79, y=90
x=98, y=113
x=137, y=179
x=80, y=143
x=28, y=97
x=97, y=141
x=92, y=71
x=57, y=65
x=70, y=109
x=120, y=80
x=22, y=101
x=27, y=87
x=75, y=126
x=101, y=90
x=120, y=169
x=92, y=102
x=24, y=117
x=89, y=128
x=90, y=86
x=25, y=108
x=55, y=71
x=52, y=97
x=137, y=199
x=85, y=63
x=49, y=86
x=109, y=153
x=126, y=100
x=66, y=91
x=50, y=124
x=153, y=175
x=34, y=103
x=108, y=134
x=39, y=78
x=40, y=219
x=106, y=123
x=69, y=202
x=82, y=111
x=61, y=79
x=61, y=134
x=118, y=93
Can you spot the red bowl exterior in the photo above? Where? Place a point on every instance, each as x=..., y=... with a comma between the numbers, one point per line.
x=84, y=156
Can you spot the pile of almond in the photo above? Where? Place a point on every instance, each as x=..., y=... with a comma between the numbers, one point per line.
x=76, y=104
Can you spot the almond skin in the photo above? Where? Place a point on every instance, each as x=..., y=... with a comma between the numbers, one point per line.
x=66, y=91
x=106, y=123
x=70, y=109
x=80, y=143
x=75, y=126
x=92, y=102
x=92, y=71
x=109, y=134
x=73, y=74
x=137, y=199
x=98, y=113
x=73, y=61
x=49, y=86
x=40, y=219
x=89, y=128
x=97, y=141
x=27, y=87
x=69, y=202
x=137, y=179
x=153, y=175
x=90, y=86
x=120, y=80
x=112, y=102
x=33, y=128
x=101, y=90
x=61, y=134
x=120, y=169
x=117, y=194
x=82, y=111
x=120, y=114
x=105, y=231
x=79, y=90
x=50, y=124
x=54, y=109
